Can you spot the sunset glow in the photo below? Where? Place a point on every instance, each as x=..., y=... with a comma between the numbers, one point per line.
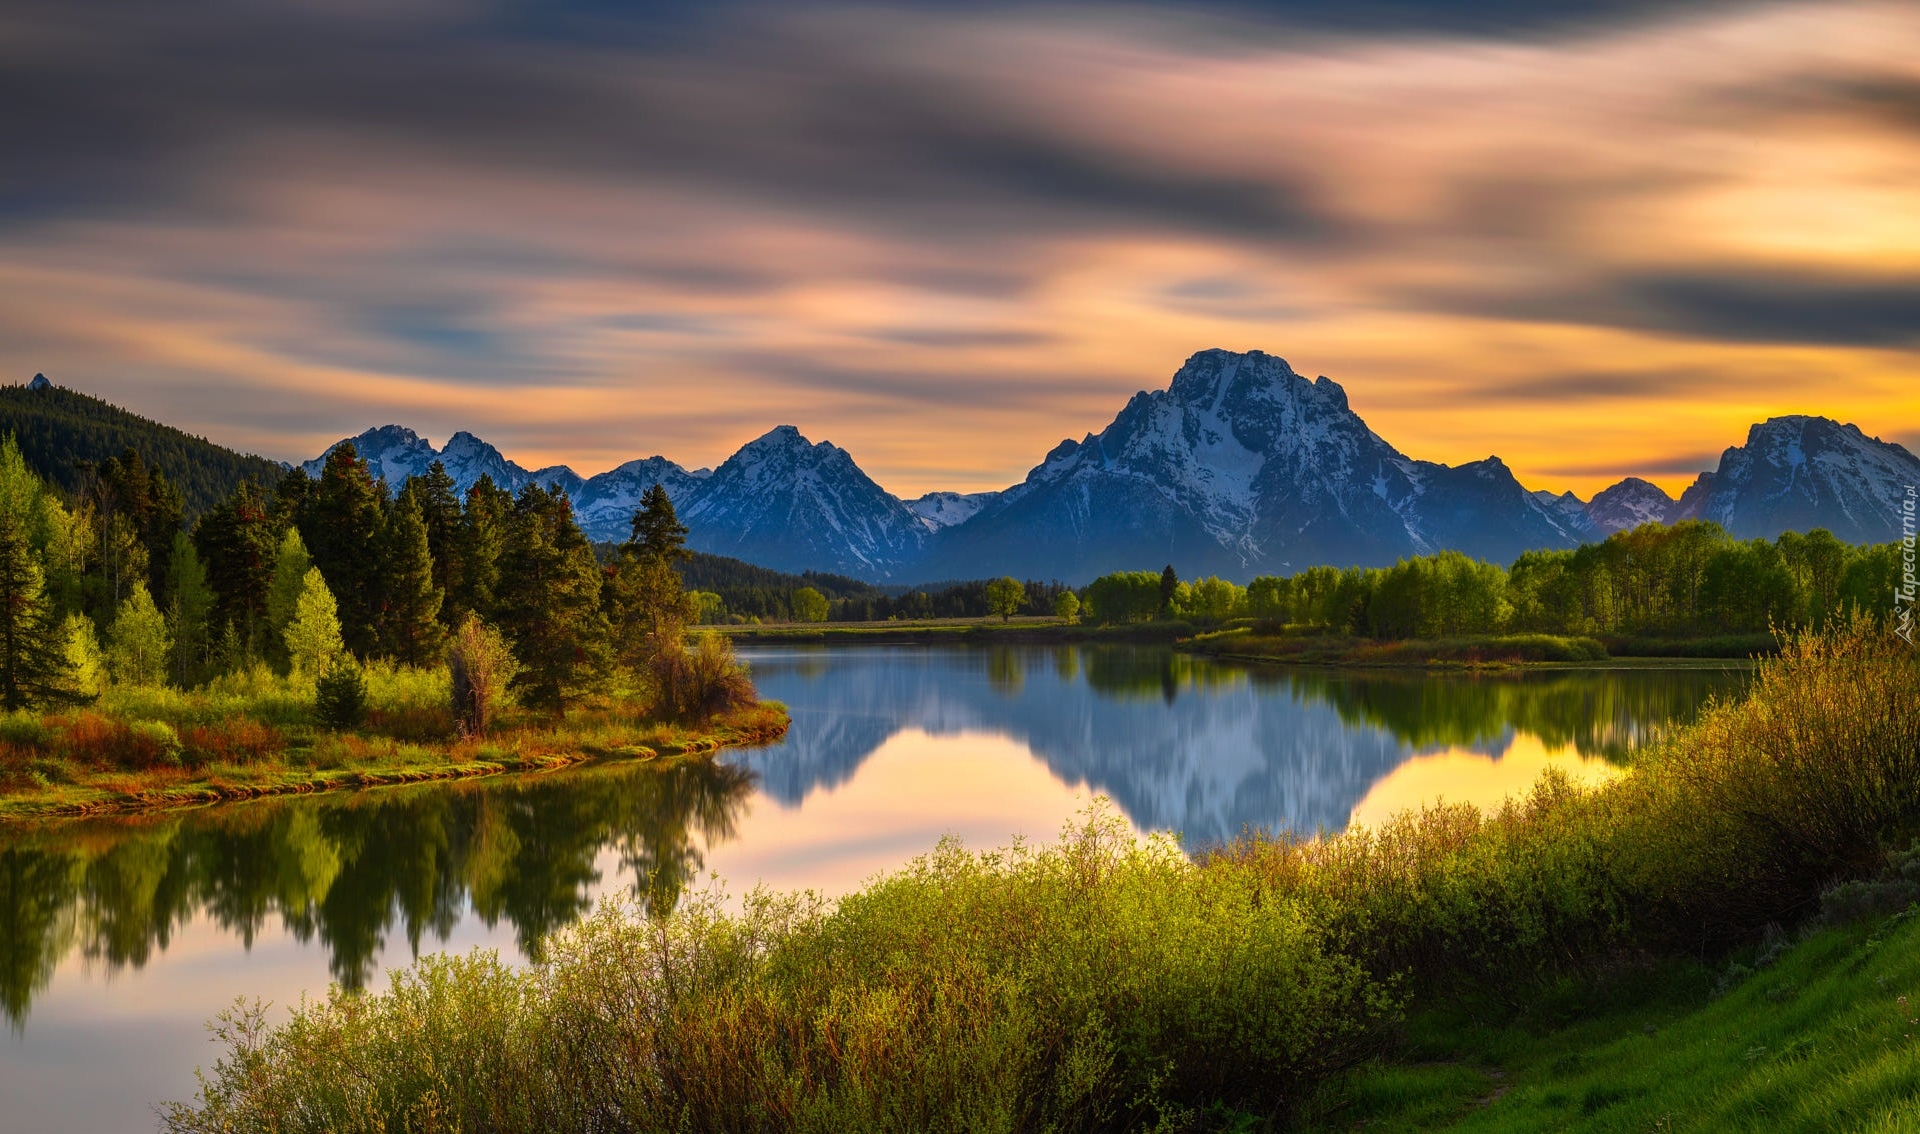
x=947, y=238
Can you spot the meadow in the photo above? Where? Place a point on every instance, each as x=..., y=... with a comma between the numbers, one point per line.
x=1107, y=983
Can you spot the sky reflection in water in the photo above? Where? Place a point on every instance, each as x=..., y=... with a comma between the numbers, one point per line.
x=119, y=938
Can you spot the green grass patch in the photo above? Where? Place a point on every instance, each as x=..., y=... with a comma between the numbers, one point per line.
x=1825, y=1038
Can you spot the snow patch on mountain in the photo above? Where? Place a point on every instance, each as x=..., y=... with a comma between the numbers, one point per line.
x=945, y=509
x=1800, y=472
x=1628, y=504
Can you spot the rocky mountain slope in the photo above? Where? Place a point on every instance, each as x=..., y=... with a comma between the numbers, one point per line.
x=1796, y=473
x=1240, y=467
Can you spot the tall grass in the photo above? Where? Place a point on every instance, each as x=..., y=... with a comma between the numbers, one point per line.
x=1104, y=984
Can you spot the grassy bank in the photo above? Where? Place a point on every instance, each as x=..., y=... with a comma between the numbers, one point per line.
x=1103, y=984
x=956, y=631
x=254, y=734
x=1823, y=1037
x=1265, y=642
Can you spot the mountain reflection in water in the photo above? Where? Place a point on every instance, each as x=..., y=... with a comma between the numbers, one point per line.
x=1178, y=743
x=1184, y=744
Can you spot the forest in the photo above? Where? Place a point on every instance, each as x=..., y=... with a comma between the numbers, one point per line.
x=331, y=623
x=1690, y=579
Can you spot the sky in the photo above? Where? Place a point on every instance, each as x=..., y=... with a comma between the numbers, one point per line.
x=1597, y=239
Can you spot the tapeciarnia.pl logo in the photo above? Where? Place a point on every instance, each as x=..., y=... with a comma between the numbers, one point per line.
x=1903, y=595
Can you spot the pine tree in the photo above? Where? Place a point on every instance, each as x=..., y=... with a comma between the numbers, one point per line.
x=138, y=644
x=549, y=601
x=189, y=607
x=658, y=534
x=313, y=636
x=409, y=621
x=344, y=522
x=1169, y=586
x=646, y=604
x=483, y=534
x=33, y=657
x=440, y=512
x=237, y=546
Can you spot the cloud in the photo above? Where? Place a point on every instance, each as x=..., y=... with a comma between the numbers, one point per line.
x=589, y=231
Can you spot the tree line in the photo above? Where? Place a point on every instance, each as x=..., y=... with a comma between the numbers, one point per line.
x=340, y=568
x=1687, y=579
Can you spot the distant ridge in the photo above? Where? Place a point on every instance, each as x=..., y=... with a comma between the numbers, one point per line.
x=58, y=428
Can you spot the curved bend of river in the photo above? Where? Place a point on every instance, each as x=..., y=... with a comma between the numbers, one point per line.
x=120, y=937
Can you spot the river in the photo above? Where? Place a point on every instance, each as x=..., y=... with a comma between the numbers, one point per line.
x=121, y=937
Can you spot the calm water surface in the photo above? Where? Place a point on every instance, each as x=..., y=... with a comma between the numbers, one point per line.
x=120, y=938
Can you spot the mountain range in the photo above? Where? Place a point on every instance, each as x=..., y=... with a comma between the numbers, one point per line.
x=1240, y=467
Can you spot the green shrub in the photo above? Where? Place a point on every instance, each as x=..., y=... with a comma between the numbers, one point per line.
x=158, y=740
x=340, y=695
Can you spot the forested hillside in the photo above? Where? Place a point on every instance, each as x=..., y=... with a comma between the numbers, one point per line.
x=59, y=430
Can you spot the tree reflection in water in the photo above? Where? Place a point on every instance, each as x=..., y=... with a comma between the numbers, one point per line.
x=350, y=868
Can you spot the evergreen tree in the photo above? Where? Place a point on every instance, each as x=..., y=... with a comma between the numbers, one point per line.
x=83, y=656
x=138, y=644
x=33, y=656
x=440, y=512
x=236, y=544
x=1169, y=586
x=290, y=566
x=549, y=601
x=189, y=609
x=482, y=537
x=658, y=535
x=409, y=621
x=313, y=636
x=340, y=696
x=343, y=532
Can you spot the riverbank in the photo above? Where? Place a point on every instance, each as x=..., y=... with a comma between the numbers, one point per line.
x=1024, y=630
x=92, y=763
x=1509, y=651
x=1818, y=1037
x=1104, y=983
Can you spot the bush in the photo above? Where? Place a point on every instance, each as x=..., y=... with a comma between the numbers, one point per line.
x=1099, y=984
x=481, y=667
x=340, y=696
x=702, y=681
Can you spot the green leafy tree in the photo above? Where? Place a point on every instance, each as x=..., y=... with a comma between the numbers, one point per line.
x=409, y=618
x=189, y=608
x=290, y=566
x=1066, y=607
x=313, y=637
x=138, y=644
x=83, y=656
x=482, y=668
x=33, y=651
x=808, y=605
x=1005, y=597
x=549, y=601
